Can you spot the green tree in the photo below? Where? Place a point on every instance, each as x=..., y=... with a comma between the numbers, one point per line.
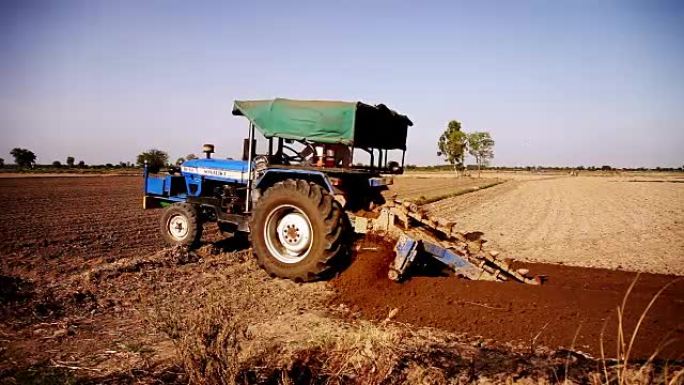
x=81, y=164
x=452, y=145
x=23, y=157
x=190, y=157
x=2, y=162
x=156, y=159
x=481, y=147
x=70, y=161
x=57, y=164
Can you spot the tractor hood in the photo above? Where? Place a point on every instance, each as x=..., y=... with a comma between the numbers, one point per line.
x=351, y=123
x=216, y=168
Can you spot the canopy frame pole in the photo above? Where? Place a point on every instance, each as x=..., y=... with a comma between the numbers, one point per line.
x=351, y=158
x=250, y=176
x=403, y=155
x=380, y=158
x=270, y=147
x=370, y=152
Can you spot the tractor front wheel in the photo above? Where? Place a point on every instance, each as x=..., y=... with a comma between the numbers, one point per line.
x=180, y=225
x=298, y=231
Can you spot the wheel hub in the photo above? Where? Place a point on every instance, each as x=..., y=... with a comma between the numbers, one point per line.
x=178, y=227
x=288, y=234
x=294, y=233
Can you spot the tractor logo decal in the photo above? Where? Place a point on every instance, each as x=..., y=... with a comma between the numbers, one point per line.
x=213, y=172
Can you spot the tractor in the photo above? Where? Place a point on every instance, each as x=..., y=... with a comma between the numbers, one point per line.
x=290, y=197
x=311, y=176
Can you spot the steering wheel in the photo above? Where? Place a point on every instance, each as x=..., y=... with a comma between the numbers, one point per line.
x=296, y=155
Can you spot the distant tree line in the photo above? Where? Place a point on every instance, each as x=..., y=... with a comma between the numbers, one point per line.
x=157, y=159
x=26, y=159
x=454, y=143
x=448, y=167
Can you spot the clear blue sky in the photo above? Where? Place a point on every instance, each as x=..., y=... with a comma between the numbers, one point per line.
x=555, y=82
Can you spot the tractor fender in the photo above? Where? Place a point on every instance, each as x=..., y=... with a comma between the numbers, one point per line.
x=272, y=176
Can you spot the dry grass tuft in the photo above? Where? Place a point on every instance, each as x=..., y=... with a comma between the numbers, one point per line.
x=623, y=371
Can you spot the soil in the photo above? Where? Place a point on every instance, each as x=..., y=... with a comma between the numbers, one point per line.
x=82, y=265
x=49, y=226
x=53, y=227
x=609, y=222
x=572, y=300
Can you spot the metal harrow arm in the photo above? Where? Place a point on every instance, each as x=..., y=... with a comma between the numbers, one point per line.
x=421, y=234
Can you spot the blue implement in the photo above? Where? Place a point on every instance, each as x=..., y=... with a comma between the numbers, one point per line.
x=407, y=249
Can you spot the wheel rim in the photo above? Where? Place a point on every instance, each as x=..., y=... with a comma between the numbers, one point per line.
x=178, y=227
x=288, y=234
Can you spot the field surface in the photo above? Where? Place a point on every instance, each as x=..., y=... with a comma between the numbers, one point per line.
x=611, y=223
x=88, y=290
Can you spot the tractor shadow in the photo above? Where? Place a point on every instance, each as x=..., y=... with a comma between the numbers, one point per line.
x=232, y=243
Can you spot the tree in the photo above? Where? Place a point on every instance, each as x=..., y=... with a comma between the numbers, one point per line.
x=2, y=162
x=452, y=145
x=70, y=161
x=156, y=159
x=23, y=157
x=57, y=164
x=481, y=147
x=190, y=157
x=81, y=164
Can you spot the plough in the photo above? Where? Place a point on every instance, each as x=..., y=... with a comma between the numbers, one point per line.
x=421, y=235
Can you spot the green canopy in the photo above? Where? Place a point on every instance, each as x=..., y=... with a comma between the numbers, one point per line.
x=350, y=123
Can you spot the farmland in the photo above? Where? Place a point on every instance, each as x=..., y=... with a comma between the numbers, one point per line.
x=87, y=283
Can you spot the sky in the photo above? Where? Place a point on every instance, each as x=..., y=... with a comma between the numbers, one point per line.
x=556, y=83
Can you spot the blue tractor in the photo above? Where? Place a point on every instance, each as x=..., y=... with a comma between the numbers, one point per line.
x=292, y=190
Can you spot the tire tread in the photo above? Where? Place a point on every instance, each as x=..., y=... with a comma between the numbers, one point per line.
x=333, y=220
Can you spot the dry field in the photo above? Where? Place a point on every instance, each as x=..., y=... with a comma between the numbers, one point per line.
x=614, y=223
x=89, y=293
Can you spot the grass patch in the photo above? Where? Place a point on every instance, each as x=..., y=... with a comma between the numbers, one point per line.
x=431, y=199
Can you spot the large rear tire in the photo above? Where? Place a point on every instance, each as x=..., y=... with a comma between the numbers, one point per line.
x=180, y=225
x=298, y=231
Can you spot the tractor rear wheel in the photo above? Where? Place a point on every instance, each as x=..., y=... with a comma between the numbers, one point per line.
x=298, y=231
x=180, y=225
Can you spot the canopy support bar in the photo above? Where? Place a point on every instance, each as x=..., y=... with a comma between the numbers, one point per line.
x=249, y=167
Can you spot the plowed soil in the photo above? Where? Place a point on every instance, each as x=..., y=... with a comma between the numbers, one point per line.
x=50, y=226
x=573, y=301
